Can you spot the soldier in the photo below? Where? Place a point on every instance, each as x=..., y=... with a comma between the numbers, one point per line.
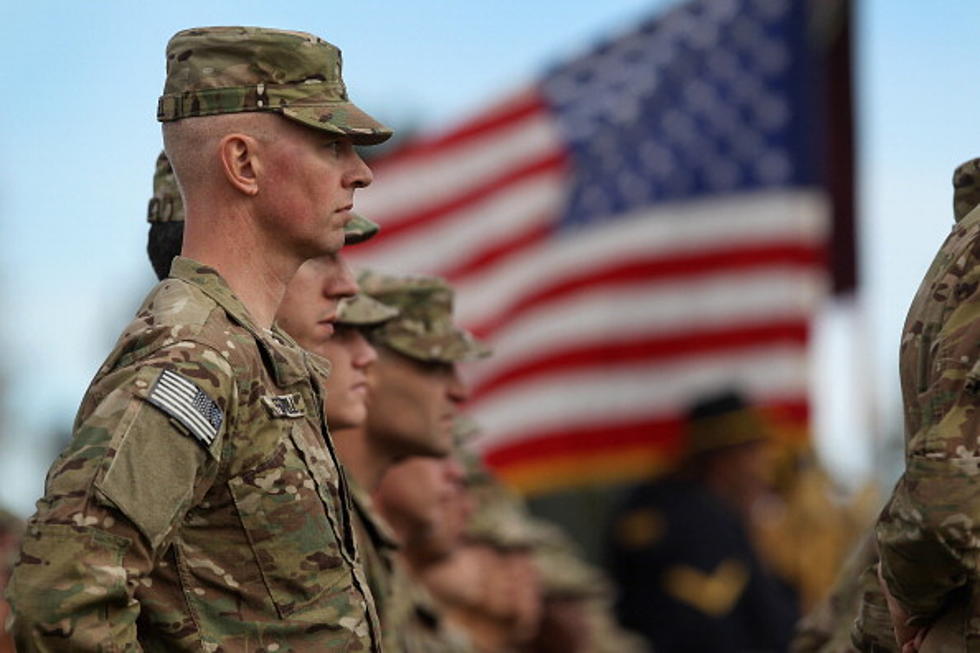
x=415, y=389
x=680, y=554
x=926, y=533
x=528, y=587
x=200, y=505
x=854, y=616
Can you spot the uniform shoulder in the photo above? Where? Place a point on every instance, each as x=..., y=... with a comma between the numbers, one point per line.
x=177, y=313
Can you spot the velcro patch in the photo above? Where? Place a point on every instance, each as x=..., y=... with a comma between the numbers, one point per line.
x=290, y=405
x=180, y=398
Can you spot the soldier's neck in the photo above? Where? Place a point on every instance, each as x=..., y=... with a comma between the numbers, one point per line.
x=364, y=462
x=256, y=271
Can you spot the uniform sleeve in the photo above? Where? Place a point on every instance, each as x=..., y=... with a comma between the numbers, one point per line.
x=145, y=453
x=929, y=535
x=929, y=532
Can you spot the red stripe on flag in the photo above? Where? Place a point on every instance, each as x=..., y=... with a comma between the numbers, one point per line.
x=511, y=111
x=499, y=251
x=688, y=265
x=645, y=349
x=397, y=226
x=660, y=430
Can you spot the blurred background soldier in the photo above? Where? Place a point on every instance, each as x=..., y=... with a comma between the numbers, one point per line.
x=517, y=583
x=680, y=549
x=424, y=501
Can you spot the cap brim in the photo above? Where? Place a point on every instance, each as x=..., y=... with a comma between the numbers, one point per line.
x=359, y=229
x=363, y=310
x=340, y=118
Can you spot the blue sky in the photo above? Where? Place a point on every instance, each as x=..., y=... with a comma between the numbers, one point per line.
x=78, y=140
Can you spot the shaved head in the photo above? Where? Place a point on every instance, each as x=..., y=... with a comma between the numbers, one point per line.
x=191, y=144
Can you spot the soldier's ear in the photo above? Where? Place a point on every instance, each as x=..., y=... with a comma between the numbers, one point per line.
x=238, y=154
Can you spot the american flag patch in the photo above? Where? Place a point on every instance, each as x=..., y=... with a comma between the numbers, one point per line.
x=188, y=404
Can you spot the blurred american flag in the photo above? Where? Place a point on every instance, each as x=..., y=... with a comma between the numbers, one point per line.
x=645, y=225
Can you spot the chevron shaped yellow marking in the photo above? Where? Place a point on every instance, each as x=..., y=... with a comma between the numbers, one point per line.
x=714, y=594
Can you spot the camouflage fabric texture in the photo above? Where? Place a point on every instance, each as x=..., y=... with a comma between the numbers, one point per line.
x=423, y=627
x=363, y=310
x=928, y=531
x=831, y=627
x=377, y=545
x=501, y=520
x=220, y=70
x=424, y=329
x=166, y=205
x=212, y=520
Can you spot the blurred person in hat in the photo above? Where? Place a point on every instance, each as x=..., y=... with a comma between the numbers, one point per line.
x=200, y=505
x=688, y=575
x=490, y=585
x=577, y=612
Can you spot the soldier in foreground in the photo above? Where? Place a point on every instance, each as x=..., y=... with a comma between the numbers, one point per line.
x=200, y=505
x=927, y=533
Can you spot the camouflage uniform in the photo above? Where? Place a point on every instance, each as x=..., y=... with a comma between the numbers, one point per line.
x=854, y=616
x=200, y=505
x=423, y=330
x=828, y=628
x=927, y=535
x=237, y=536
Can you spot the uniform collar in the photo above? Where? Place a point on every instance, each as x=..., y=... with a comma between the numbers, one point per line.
x=378, y=530
x=282, y=353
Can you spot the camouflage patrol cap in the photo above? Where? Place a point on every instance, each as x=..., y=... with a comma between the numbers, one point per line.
x=424, y=328
x=564, y=572
x=361, y=310
x=501, y=521
x=217, y=70
x=359, y=229
x=167, y=206
x=966, y=188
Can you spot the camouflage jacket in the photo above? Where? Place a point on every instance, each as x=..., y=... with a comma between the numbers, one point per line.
x=423, y=628
x=200, y=505
x=377, y=546
x=853, y=616
x=928, y=536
